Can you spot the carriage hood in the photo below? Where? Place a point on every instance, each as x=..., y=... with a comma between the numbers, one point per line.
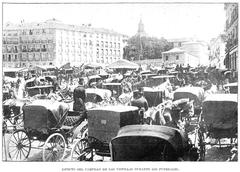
x=58, y=109
x=174, y=136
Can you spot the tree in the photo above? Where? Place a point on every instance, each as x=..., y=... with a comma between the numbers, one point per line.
x=141, y=48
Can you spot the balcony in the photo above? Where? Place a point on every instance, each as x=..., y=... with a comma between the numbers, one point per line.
x=231, y=43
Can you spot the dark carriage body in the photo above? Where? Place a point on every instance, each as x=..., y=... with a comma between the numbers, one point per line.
x=148, y=143
x=42, y=117
x=153, y=96
x=220, y=113
x=105, y=122
x=32, y=91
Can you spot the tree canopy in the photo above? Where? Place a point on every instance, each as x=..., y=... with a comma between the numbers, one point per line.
x=145, y=48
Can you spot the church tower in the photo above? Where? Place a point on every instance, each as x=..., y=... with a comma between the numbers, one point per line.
x=141, y=31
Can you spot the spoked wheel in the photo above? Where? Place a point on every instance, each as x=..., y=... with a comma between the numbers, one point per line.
x=81, y=151
x=54, y=148
x=19, y=146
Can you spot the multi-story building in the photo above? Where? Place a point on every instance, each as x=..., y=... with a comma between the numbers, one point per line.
x=231, y=29
x=217, y=52
x=177, y=56
x=55, y=43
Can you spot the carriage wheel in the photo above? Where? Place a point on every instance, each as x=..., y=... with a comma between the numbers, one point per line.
x=81, y=151
x=19, y=146
x=54, y=147
x=202, y=145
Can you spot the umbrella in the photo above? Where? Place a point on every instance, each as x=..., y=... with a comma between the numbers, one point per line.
x=123, y=64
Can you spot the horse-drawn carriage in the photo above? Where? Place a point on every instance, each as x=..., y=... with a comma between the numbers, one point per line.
x=220, y=116
x=103, y=125
x=45, y=122
x=151, y=143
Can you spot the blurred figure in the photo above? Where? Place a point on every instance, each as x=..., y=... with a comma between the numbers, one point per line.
x=79, y=97
x=139, y=101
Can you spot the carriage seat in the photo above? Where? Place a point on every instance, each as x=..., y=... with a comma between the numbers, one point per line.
x=74, y=118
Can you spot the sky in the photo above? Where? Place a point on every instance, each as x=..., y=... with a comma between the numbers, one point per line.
x=202, y=21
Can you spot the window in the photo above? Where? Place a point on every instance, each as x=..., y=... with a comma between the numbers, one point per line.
x=15, y=57
x=177, y=57
x=9, y=57
x=166, y=58
x=90, y=43
x=3, y=57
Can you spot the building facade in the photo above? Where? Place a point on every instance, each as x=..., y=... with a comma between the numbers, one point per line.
x=55, y=43
x=193, y=47
x=231, y=29
x=178, y=42
x=177, y=56
x=217, y=52
x=198, y=49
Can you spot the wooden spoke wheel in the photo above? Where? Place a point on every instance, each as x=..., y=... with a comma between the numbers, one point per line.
x=19, y=146
x=54, y=147
x=82, y=151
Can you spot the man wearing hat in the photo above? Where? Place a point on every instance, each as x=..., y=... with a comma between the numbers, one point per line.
x=79, y=97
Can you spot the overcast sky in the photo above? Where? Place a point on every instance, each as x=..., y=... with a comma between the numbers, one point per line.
x=203, y=21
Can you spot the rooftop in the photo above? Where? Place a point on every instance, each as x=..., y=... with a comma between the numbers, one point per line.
x=174, y=50
x=56, y=24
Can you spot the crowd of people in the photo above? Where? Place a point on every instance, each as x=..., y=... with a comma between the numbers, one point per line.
x=131, y=81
